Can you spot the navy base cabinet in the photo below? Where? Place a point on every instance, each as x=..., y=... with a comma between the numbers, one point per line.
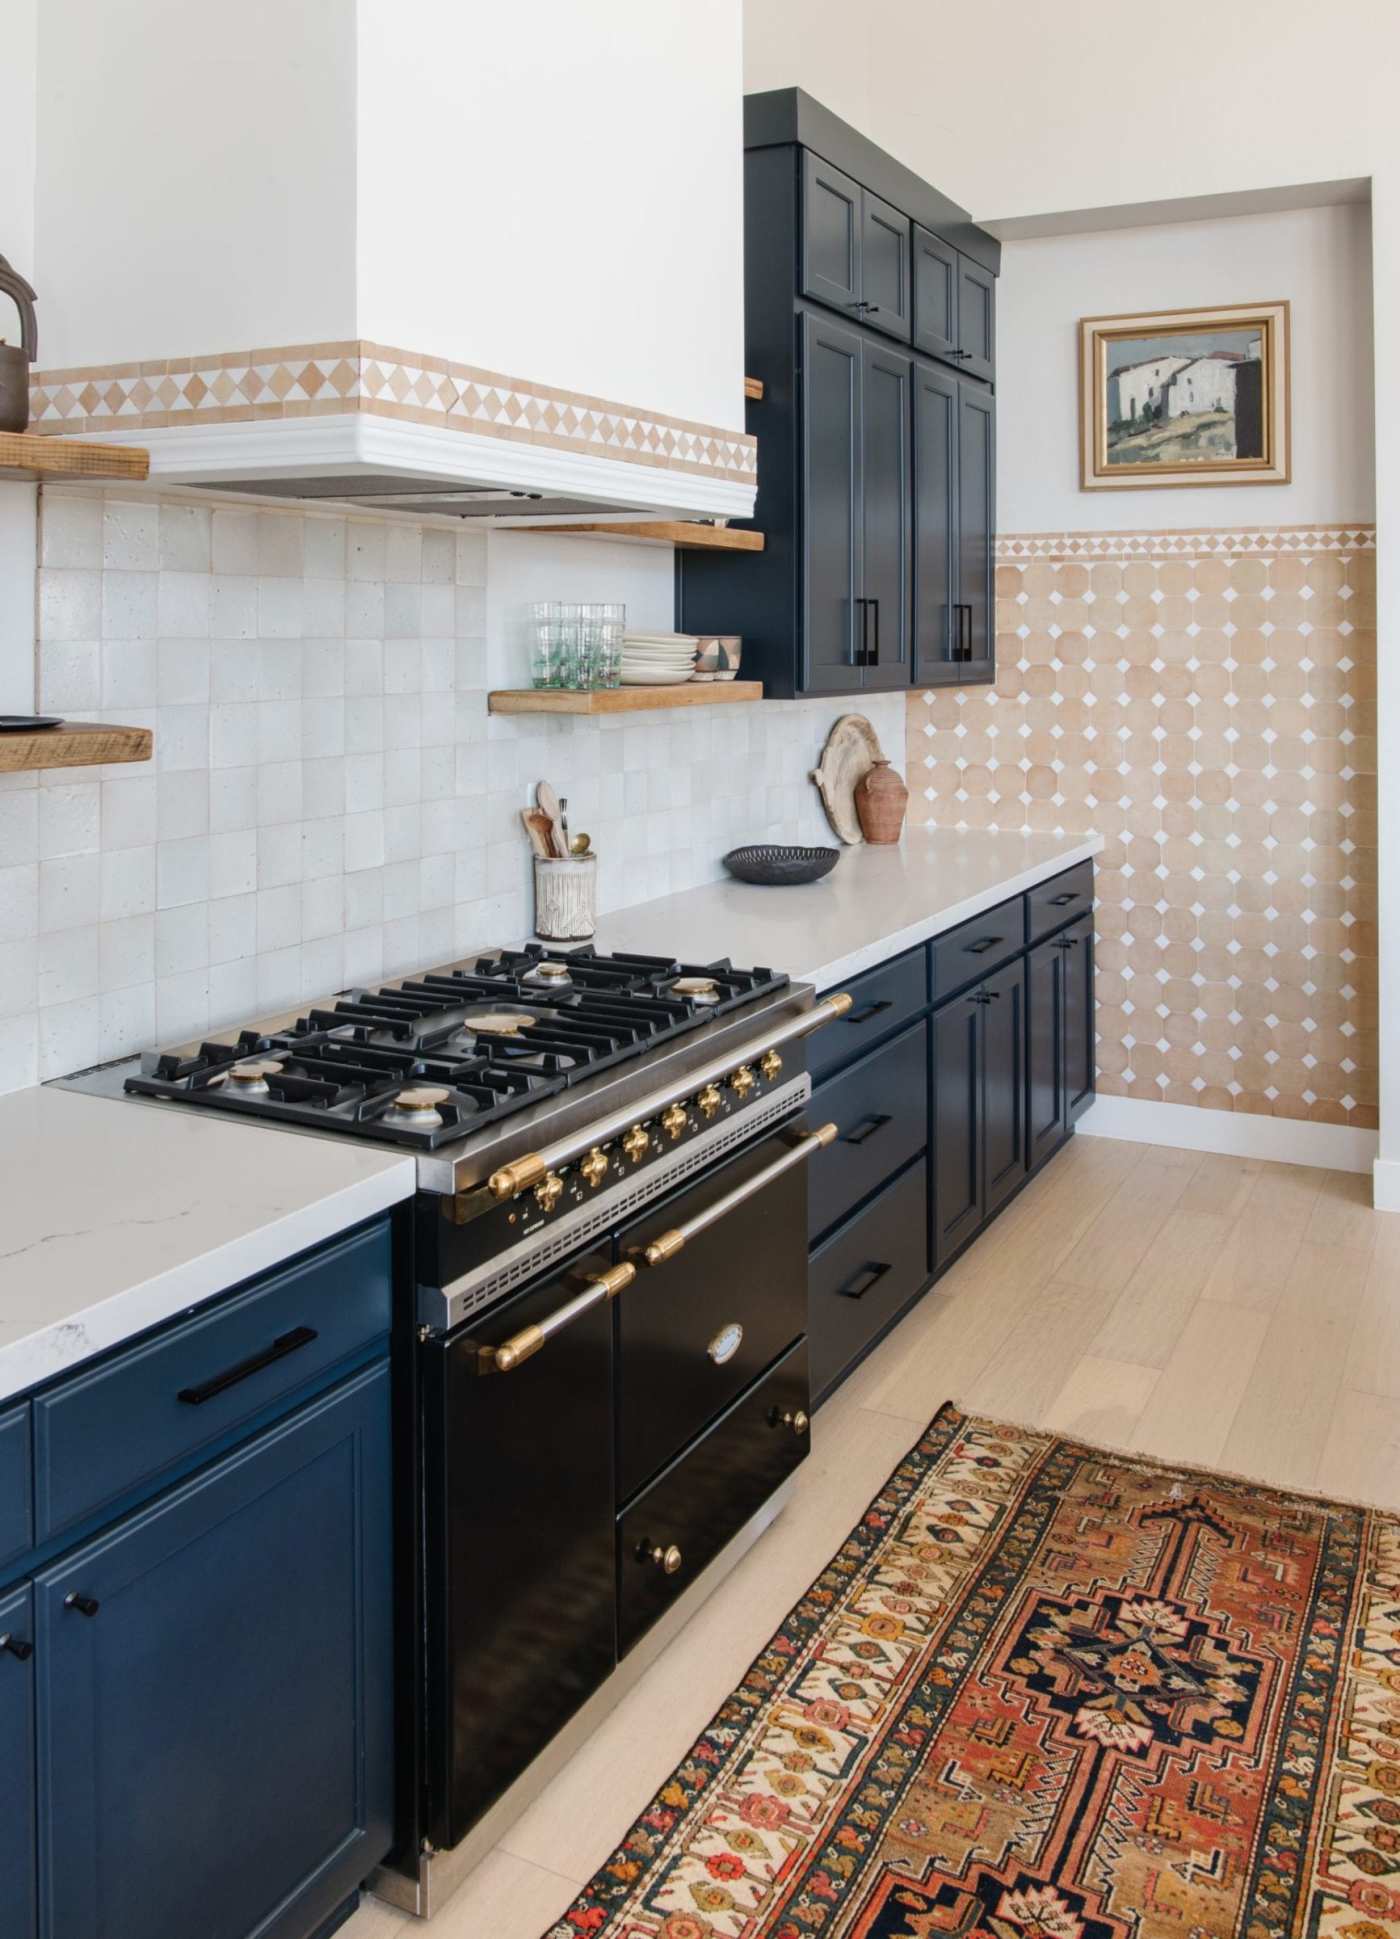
x=215, y=1692
x=18, y=1906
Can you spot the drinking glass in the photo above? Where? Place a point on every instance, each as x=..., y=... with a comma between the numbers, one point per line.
x=544, y=643
x=604, y=623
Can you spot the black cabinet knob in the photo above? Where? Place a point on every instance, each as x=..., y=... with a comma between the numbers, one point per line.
x=85, y=1605
x=16, y=1646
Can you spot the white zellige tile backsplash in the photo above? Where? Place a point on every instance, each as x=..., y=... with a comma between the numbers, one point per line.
x=330, y=802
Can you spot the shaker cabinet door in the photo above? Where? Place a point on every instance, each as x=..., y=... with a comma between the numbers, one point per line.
x=977, y=321
x=1003, y=1084
x=18, y=1917
x=215, y=1692
x=886, y=301
x=1079, y=1017
x=1046, y=1108
x=935, y=295
x=957, y=1125
x=938, y=631
x=886, y=523
x=832, y=535
x=830, y=235
x=977, y=518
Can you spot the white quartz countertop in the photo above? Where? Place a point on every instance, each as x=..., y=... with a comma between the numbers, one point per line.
x=117, y=1216
x=875, y=902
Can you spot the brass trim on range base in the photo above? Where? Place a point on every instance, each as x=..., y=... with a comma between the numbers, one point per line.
x=512, y=1179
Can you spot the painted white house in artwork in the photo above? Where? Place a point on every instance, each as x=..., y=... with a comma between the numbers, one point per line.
x=1205, y=384
x=1176, y=386
x=1137, y=388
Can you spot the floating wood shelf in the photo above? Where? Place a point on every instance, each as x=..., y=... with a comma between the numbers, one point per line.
x=76, y=744
x=623, y=700
x=753, y=388
x=659, y=531
x=23, y=455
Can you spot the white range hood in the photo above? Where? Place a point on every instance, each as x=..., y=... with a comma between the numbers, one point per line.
x=484, y=267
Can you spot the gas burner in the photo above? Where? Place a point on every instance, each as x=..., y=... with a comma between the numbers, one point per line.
x=499, y=1023
x=549, y=972
x=418, y=1106
x=700, y=989
x=249, y=1077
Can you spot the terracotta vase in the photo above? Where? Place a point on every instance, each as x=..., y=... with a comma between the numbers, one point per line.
x=881, y=798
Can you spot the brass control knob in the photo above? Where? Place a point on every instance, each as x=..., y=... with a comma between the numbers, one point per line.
x=594, y=1168
x=636, y=1143
x=549, y=1191
x=709, y=1100
x=792, y=1417
x=770, y=1064
x=668, y=1560
x=742, y=1081
x=674, y=1120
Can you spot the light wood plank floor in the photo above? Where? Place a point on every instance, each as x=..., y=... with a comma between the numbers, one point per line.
x=1198, y=1308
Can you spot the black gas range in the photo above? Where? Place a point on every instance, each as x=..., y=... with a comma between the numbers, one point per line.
x=604, y=1368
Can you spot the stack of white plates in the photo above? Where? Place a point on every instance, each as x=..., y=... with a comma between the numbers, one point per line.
x=657, y=659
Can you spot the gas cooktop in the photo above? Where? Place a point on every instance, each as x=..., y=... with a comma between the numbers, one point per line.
x=427, y=1060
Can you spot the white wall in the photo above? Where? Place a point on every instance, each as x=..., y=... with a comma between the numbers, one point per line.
x=1320, y=259
x=557, y=194
x=196, y=177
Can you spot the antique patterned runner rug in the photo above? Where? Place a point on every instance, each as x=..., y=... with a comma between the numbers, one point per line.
x=1048, y=1692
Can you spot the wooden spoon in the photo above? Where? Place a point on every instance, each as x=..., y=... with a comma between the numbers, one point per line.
x=540, y=830
x=547, y=801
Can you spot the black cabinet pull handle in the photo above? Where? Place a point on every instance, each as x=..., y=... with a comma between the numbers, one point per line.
x=85, y=1605
x=858, y=640
x=980, y=949
x=869, y=1010
x=874, y=659
x=1068, y=942
x=966, y=631
x=1063, y=900
x=285, y=1343
x=16, y=1646
x=865, y=1128
x=863, y=1278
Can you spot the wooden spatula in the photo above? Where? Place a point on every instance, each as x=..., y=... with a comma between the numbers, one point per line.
x=547, y=801
x=540, y=830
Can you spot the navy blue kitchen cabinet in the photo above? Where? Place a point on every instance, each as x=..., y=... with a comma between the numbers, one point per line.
x=18, y=1913
x=196, y=1621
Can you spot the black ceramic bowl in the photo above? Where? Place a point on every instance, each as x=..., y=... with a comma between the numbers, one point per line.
x=777, y=866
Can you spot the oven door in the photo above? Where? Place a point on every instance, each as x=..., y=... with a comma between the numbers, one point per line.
x=720, y=1294
x=519, y=1529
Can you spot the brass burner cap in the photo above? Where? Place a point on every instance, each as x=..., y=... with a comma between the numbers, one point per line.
x=251, y=1074
x=551, y=972
x=695, y=986
x=500, y=1023
x=422, y=1097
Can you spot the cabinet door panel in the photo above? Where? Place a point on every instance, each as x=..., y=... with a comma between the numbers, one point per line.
x=885, y=301
x=1079, y=1017
x=865, y=1274
x=936, y=632
x=1047, y=1116
x=18, y=1916
x=956, y=1126
x=886, y=493
x=935, y=294
x=977, y=296
x=831, y=228
x=880, y=1110
x=215, y=1749
x=977, y=517
x=1004, y=1084
x=831, y=504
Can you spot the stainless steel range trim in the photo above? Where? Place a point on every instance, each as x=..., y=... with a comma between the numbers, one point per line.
x=445, y=1307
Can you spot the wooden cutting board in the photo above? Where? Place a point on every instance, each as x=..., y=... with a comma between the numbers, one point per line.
x=852, y=749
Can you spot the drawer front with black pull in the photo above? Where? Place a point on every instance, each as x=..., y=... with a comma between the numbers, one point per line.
x=704, y=1498
x=880, y=1110
x=865, y=1274
x=1059, y=900
x=14, y=1482
x=974, y=948
x=882, y=1001
x=105, y=1433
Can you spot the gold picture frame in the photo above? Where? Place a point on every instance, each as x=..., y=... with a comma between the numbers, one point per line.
x=1184, y=398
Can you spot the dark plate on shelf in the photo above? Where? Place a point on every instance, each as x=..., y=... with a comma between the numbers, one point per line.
x=777, y=866
x=27, y=723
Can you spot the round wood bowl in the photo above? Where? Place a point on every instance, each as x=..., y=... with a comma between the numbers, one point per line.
x=775, y=866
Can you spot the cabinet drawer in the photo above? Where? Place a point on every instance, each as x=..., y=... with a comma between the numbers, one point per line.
x=1059, y=900
x=865, y=1274
x=15, y=1489
x=972, y=949
x=107, y=1432
x=883, y=1000
x=707, y=1495
x=880, y=1109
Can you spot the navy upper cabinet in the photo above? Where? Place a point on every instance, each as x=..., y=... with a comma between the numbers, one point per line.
x=954, y=524
x=18, y=1917
x=215, y=1683
x=831, y=468
x=954, y=306
x=885, y=496
x=854, y=252
x=977, y=518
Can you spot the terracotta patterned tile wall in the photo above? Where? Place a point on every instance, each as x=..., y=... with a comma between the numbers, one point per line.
x=1207, y=703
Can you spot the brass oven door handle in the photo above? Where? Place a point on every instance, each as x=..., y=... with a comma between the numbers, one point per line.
x=667, y=1244
x=521, y=1173
x=513, y=1352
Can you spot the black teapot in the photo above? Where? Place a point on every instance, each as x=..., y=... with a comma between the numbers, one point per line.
x=16, y=359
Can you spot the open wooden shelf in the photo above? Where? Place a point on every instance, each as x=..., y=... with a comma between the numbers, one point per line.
x=23, y=455
x=691, y=537
x=76, y=744
x=623, y=700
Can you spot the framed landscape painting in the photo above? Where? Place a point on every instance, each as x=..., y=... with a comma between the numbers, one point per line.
x=1184, y=397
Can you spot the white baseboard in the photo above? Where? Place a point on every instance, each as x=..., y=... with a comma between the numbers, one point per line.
x=1241, y=1134
x=1385, y=1185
